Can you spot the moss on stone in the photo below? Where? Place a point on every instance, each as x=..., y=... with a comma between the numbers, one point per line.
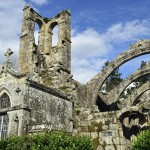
x=104, y=145
x=64, y=89
x=95, y=127
x=47, y=80
x=83, y=129
x=77, y=112
x=95, y=143
x=115, y=146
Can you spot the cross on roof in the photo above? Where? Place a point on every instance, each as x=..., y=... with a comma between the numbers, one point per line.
x=8, y=54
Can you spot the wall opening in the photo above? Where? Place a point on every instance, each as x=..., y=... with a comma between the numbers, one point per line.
x=121, y=74
x=54, y=27
x=36, y=33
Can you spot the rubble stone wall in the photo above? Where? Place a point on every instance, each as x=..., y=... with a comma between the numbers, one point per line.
x=104, y=128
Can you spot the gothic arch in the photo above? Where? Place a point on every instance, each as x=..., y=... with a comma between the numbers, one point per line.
x=117, y=91
x=4, y=101
x=4, y=90
x=53, y=24
x=39, y=21
x=36, y=17
x=140, y=48
x=48, y=35
x=135, y=95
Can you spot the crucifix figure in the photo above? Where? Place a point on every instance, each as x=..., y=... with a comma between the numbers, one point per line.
x=8, y=54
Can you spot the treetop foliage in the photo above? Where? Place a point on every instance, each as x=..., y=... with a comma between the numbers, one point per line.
x=142, y=141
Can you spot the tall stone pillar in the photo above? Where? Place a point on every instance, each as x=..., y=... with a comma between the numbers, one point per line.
x=26, y=42
x=64, y=39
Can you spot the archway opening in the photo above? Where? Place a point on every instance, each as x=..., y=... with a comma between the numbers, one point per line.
x=54, y=27
x=120, y=75
x=36, y=33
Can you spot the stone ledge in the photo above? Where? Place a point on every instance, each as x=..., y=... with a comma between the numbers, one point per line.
x=46, y=89
x=4, y=110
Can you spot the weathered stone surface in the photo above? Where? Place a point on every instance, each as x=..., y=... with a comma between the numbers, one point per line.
x=105, y=127
x=93, y=86
x=44, y=96
x=94, y=135
x=110, y=147
x=100, y=148
x=118, y=90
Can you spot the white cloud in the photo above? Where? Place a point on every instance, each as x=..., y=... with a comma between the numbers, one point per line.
x=91, y=49
x=10, y=25
x=86, y=47
x=89, y=43
x=39, y=2
x=129, y=31
x=84, y=69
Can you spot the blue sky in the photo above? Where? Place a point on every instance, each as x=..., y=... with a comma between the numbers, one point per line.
x=101, y=29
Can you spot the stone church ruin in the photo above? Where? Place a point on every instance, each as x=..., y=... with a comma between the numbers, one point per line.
x=42, y=95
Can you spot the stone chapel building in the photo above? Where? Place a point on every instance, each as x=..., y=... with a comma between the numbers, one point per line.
x=42, y=95
x=28, y=101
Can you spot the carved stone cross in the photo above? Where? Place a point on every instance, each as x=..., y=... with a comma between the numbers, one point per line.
x=8, y=54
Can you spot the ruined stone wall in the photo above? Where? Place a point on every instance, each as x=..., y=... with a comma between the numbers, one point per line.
x=34, y=107
x=115, y=93
x=49, y=109
x=47, y=64
x=43, y=93
x=32, y=56
x=104, y=128
x=139, y=98
x=93, y=86
x=145, y=98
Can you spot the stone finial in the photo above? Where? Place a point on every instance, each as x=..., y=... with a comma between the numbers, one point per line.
x=8, y=54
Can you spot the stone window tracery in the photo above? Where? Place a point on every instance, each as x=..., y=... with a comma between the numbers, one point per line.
x=4, y=101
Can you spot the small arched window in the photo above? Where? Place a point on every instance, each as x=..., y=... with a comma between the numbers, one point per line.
x=36, y=33
x=4, y=101
x=37, y=28
x=54, y=28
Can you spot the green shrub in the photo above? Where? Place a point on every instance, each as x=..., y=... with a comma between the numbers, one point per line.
x=47, y=141
x=142, y=141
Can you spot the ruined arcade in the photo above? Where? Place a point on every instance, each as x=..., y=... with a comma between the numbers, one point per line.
x=42, y=95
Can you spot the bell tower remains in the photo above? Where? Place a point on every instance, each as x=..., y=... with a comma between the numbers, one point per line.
x=52, y=64
x=29, y=50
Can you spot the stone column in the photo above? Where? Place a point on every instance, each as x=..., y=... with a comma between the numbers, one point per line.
x=26, y=42
x=64, y=37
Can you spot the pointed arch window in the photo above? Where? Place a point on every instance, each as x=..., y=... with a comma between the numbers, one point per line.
x=4, y=101
x=54, y=28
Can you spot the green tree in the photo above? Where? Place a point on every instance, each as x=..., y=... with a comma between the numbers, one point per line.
x=142, y=141
x=114, y=78
x=145, y=78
